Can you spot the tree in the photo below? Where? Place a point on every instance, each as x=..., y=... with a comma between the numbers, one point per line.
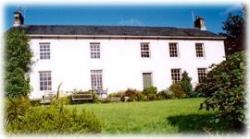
x=17, y=63
x=186, y=82
x=234, y=27
x=224, y=89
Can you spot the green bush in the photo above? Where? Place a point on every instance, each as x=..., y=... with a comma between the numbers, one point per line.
x=165, y=94
x=150, y=90
x=15, y=109
x=17, y=63
x=177, y=90
x=131, y=94
x=55, y=119
x=150, y=93
x=224, y=89
x=185, y=83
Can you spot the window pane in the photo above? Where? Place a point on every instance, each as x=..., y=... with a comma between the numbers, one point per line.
x=96, y=79
x=45, y=80
x=145, y=52
x=44, y=51
x=175, y=74
x=173, y=50
x=95, y=50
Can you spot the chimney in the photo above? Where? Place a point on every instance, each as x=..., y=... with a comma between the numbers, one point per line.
x=199, y=23
x=18, y=19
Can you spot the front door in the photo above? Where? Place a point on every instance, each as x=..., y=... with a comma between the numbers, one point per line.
x=147, y=80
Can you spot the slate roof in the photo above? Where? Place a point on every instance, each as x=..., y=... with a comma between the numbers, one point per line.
x=115, y=30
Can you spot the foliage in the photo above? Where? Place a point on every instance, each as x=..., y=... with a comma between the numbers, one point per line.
x=17, y=63
x=150, y=90
x=185, y=83
x=165, y=94
x=131, y=94
x=234, y=30
x=150, y=93
x=54, y=118
x=177, y=90
x=224, y=90
x=16, y=109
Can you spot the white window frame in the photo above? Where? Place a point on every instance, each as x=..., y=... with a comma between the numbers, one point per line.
x=176, y=77
x=95, y=50
x=96, y=77
x=145, y=53
x=202, y=73
x=44, y=49
x=45, y=81
x=198, y=52
x=171, y=50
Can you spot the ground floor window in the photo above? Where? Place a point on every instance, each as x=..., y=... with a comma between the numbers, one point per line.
x=96, y=79
x=147, y=80
x=201, y=74
x=176, y=75
x=45, y=80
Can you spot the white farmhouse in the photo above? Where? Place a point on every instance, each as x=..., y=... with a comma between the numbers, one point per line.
x=115, y=58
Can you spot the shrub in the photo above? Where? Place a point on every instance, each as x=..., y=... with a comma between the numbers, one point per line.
x=142, y=97
x=16, y=109
x=150, y=90
x=35, y=102
x=55, y=119
x=165, y=94
x=224, y=90
x=131, y=94
x=17, y=63
x=185, y=83
x=150, y=93
x=177, y=90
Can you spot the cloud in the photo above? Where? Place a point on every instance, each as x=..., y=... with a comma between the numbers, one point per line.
x=131, y=22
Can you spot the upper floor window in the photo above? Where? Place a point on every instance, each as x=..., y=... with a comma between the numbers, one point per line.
x=95, y=50
x=176, y=75
x=44, y=50
x=201, y=74
x=199, y=50
x=173, y=51
x=45, y=80
x=145, y=51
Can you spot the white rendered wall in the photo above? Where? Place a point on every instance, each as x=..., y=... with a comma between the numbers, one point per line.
x=120, y=61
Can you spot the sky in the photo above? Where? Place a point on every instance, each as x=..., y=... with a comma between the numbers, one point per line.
x=161, y=15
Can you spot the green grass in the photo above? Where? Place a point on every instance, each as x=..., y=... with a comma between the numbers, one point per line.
x=164, y=116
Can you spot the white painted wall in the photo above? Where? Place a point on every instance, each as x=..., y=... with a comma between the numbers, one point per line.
x=120, y=61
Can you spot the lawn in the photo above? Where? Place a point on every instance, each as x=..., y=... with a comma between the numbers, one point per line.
x=163, y=116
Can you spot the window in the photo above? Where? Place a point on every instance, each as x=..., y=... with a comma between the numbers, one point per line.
x=95, y=50
x=96, y=79
x=45, y=80
x=201, y=74
x=173, y=52
x=44, y=50
x=145, y=52
x=175, y=74
x=147, y=80
x=199, y=50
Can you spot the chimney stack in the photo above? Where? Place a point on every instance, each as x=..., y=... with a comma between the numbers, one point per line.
x=199, y=23
x=18, y=19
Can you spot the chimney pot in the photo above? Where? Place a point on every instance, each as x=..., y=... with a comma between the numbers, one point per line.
x=199, y=23
x=18, y=19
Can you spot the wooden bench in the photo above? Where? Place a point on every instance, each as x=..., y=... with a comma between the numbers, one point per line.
x=82, y=96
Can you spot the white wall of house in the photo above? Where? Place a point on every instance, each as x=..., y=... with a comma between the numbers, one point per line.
x=121, y=62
